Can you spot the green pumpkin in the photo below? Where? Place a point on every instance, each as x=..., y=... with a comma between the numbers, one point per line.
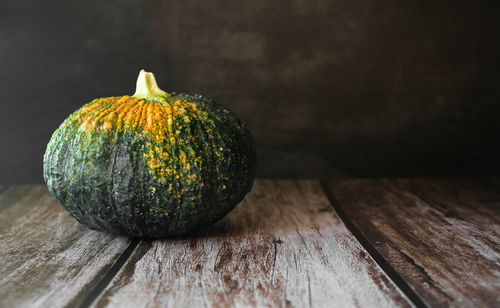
x=150, y=165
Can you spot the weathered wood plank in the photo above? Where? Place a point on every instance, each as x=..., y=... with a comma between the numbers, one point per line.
x=441, y=236
x=282, y=246
x=47, y=259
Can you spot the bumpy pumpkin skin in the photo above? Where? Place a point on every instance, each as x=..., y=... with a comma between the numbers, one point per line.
x=154, y=168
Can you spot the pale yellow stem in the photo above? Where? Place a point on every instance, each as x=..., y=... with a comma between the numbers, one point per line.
x=147, y=88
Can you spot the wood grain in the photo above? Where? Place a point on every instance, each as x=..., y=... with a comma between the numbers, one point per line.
x=282, y=246
x=441, y=236
x=47, y=259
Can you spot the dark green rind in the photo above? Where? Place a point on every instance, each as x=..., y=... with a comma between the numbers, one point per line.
x=107, y=185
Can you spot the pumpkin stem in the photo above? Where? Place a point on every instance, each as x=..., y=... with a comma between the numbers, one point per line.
x=147, y=88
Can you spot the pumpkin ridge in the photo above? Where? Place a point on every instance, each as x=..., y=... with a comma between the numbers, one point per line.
x=111, y=200
x=84, y=116
x=66, y=177
x=107, y=108
x=142, y=105
x=174, y=144
x=182, y=121
x=209, y=127
x=130, y=120
x=192, y=125
x=142, y=115
x=218, y=143
x=57, y=153
x=206, y=163
x=156, y=135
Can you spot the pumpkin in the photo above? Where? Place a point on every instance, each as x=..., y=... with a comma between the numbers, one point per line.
x=153, y=164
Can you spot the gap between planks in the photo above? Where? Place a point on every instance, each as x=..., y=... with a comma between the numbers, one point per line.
x=441, y=235
x=384, y=265
x=108, y=276
x=47, y=259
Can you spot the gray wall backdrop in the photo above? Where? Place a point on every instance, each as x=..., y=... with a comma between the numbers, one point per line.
x=363, y=88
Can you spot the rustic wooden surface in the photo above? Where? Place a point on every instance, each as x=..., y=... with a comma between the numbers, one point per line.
x=441, y=236
x=283, y=246
x=391, y=243
x=46, y=258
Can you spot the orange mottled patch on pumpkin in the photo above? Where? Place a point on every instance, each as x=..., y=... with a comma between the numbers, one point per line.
x=152, y=119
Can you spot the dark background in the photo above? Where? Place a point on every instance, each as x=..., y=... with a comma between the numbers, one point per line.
x=331, y=87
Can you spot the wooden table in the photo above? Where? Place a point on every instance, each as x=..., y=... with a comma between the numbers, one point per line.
x=354, y=242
